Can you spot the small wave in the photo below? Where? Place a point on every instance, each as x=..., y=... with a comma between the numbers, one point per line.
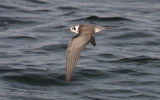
x=143, y=96
x=138, y=59
x=42, y=10
x=123, y=71
x=8, y=20
x=107, y=55
x=96, y=18
x=59, y=26
x=67, y=8
x=107, y=18
x=110, y=91
x=91, y=73
x=22, y=38
x=69, y=13
x=36, y=1
x=136, y=83
x=33, y=77
x=6, y=69
x=29, y=51
x=5, y=55
x=53, y=47
x=33, y=11
x=7, y=7
x=5, y=46
x=37, y=79
x=133, y=35
x=155, y=43
x=131, y=72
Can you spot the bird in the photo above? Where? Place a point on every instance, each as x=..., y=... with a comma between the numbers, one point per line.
x=85, y=35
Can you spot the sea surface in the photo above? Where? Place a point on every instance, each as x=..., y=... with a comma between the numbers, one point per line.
x=125, y=64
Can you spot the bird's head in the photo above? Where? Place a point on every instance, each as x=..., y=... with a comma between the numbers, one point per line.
x=75, y=29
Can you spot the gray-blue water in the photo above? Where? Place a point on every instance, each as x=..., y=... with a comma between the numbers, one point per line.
x=125, y=64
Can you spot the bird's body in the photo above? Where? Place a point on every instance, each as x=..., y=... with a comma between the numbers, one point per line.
x=85, y=35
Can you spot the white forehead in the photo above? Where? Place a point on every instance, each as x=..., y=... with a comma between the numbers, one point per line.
x=77, y=26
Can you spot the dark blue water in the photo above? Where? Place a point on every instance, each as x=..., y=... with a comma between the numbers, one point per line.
x=125, y=64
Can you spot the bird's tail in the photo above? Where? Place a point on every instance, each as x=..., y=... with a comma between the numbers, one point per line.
x=100, y=28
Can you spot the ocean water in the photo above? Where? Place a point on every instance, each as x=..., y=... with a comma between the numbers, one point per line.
x=125, y=64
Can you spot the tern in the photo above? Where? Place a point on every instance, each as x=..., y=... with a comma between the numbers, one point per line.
x=85, y=35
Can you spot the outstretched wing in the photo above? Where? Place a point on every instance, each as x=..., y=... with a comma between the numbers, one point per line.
x=74, y=49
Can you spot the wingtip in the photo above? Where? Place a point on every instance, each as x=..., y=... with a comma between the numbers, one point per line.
x=67, y=79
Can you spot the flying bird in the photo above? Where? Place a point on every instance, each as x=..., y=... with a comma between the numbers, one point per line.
x=85, y=35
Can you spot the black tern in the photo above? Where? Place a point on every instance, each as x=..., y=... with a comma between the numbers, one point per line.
x=85, y=35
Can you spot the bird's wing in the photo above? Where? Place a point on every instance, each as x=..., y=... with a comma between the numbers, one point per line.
x=75, y=47
x=92, y=41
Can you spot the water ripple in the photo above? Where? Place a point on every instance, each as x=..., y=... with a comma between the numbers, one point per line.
x=96, y=18
x=33, y=77
x=8, y=20
x=107, y=18
x=22, y=38
x=7, y=7
x=92, y=73
x=36, y=1
x=132, y=35
x=138, y=59
x=67, y=8
x=53, y=47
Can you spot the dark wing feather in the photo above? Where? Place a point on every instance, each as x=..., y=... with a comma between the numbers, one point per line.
x=75, y=47
x=92, y=41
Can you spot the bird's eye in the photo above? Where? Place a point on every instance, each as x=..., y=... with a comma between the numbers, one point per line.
x=73, y=28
